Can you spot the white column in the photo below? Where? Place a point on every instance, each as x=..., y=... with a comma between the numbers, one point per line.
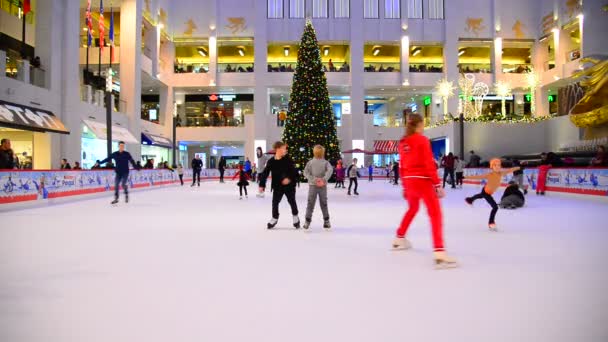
x=130, y=67
x=542, y=101
x=357, y=88
x=213, y=57
x=436, y=107
x=450, y=71
x=497, y=60
x=67, y=74
x=560, y=39
x=519, y=103
x=261, y=118
x=405, y=59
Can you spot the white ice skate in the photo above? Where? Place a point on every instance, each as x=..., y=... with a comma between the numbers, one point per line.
x=401, y=243
x=442, y=261
x=260, y=195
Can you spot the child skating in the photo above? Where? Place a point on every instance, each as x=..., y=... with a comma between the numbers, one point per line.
x=353, y=175
x=420, y=182
x=340, y=175
x=243, y=181
x=493, y=179
x=284, y=176
x=317, y=172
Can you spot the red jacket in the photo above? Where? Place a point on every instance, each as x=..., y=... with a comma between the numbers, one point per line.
x=417, y=158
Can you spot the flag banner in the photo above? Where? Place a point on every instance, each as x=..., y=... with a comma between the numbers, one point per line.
x=89, y=22
x=111, y=36
x=27, y=7
x=102, y=29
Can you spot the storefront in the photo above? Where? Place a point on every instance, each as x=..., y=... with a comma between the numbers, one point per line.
x=28, y=128
x=216, y=110
x=94, y=143
x=155, y=147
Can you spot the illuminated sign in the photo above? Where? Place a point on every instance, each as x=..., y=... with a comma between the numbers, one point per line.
x=427, y=100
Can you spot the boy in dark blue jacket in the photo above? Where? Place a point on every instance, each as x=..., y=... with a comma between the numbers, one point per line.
x=122, y=158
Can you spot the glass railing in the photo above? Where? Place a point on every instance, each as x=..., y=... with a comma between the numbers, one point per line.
x=281, y=67
x=476, y=68
x=516, y=68
x=426, y=67
x=197, y=68
x=211, y=120
x=336, y=67
x=231, y=67
x=382, y=67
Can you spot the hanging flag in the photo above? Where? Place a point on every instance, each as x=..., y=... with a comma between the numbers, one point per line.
x=102, y=30
x=112, y=47
x=89, y=23
x=26, y=7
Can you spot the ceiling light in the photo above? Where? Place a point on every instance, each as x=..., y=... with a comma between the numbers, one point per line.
x=202, y=52
x=376, y=51
x=580, y=16
x=200, y=90
x=85, y=29
x=151, y=90
x=555, y=30
x=416, y=51
x=461, y=52
x=326, y=51
x=286, y=51
x=241, y=52
x=161, y=26
x=382, y=89
x=543, y=39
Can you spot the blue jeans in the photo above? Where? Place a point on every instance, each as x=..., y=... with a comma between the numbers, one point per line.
x=121, y=179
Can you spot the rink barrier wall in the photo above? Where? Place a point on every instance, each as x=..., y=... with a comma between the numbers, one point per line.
x=18, y=186
x=582, y=180
x=45, y=186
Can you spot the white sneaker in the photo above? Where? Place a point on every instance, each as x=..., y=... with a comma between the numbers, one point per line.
x=443, y=261
x=401, y=243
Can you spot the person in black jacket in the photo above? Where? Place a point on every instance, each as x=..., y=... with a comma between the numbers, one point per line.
x=512, y=197
x=396, y=173
x=197, y=167
x=284, y=177
x=7, y=157
x=222, y=167
x=65, y=165
x=122, y=158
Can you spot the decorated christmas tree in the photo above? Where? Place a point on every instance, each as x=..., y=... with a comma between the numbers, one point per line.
x=310, y=120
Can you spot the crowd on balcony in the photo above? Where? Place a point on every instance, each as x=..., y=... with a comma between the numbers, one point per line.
x=426, y=68
x=520, y=69
x=372, y=68
x=240, y=68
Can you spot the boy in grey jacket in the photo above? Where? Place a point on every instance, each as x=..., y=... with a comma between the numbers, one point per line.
x=317, y=172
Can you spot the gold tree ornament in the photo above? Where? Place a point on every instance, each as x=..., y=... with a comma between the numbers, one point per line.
x=445, y=89
x=503, y=89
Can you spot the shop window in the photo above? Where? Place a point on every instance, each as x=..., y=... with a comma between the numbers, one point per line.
x=150, y=108
x=217, y=110
x=235, y=55
x=426, y=58
x=392, y=9
x=370, y=9
x=382, y=57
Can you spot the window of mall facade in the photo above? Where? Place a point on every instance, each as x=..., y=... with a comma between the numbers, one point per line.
x=382, y=57
x=150, y=108
x=235, y=55
x=426, y=58
x=392, y=9
x=516, y=56
x=371, y=9
x=474, y=56
x=275, y=9
x=341, y=9
x=191, y=57
x=296, y=9
x=216, y=110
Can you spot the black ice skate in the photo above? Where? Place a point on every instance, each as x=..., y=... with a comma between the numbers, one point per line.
x=272, y=223
x=115, y=201
x=327, y=224
x=126, y=198
x=296, y=222
x=306, y=225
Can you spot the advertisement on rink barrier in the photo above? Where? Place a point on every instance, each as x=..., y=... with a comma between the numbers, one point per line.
x=21, y=186
x=589, y=181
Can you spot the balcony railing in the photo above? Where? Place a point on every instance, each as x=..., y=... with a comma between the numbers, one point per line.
x=382, y=67
x=37, y=76
x=426, y=67
x=196, y=68
x=211, y=120
x=231, y=67
x=478, y=68
x=516, y=68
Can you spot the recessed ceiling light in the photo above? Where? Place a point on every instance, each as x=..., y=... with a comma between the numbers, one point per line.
x=151, y=90
x=382, y=89
x=200, y=90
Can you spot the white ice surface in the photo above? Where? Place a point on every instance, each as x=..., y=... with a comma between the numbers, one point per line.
x=196, y=264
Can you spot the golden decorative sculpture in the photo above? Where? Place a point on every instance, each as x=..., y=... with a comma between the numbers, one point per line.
x=475, y=25
x=190, y=27
x=518, y=29
x=236, y=25
x=592, y=109
x=162, y=17
x=573, y=7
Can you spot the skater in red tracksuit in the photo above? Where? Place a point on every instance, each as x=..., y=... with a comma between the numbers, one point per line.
x=543, y=170
x=420, y=182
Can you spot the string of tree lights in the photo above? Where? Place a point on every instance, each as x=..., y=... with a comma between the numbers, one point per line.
x=310, y=120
